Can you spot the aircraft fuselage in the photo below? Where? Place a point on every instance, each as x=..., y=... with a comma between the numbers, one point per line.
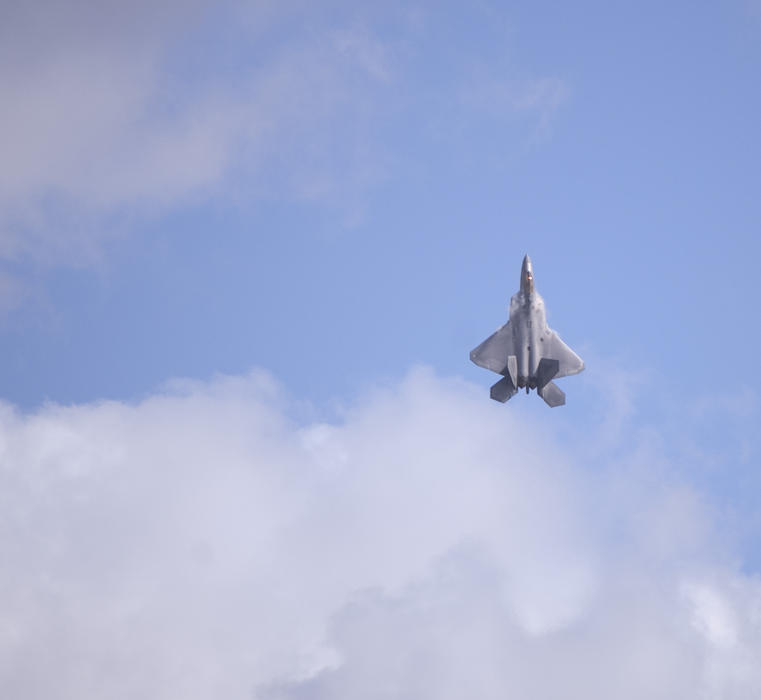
x=526, y=351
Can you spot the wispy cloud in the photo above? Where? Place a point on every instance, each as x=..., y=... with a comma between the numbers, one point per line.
x=505, y=96
x=112, y=116
x=203, y=543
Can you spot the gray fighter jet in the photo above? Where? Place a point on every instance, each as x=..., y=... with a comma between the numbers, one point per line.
x=526, y=351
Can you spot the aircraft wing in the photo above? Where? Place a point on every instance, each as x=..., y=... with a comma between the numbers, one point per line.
x=556, y=349
x=494, y=351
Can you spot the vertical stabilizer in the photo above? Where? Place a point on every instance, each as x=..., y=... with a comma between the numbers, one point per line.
x=546, y=370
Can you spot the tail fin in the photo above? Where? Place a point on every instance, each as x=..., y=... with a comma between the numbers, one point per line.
x=503, y=389
x=546, y=370
x=551, y=393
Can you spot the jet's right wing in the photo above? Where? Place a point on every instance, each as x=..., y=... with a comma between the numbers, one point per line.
x=494, y=351
x=555, y=349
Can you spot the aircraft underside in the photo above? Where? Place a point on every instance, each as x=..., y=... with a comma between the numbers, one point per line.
x=508, y=386
x=514, y=348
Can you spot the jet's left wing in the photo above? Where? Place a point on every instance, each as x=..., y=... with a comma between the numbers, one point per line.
x=494, y=351
x=555, y=349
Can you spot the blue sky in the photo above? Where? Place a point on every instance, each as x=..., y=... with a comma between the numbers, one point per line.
x=337, y=194
x=615, y=146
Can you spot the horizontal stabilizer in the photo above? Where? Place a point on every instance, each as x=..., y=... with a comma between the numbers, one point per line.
x=552, y=394
x=503, y=390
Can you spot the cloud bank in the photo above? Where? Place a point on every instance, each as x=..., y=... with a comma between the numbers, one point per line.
x=430, y=544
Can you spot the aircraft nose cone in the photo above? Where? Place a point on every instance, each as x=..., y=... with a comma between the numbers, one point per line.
x=527, y=276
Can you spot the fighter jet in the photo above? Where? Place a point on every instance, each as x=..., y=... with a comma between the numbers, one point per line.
x=526, y=351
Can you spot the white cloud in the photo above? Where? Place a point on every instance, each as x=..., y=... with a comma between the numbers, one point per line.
x=432, y=544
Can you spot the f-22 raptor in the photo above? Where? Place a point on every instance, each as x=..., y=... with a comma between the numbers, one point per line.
x=526, y=351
